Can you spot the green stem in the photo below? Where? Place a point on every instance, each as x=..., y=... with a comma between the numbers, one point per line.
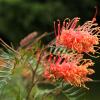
x=33, y=77
x=34, y=72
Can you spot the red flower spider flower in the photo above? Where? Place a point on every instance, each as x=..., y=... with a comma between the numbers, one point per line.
x=73, y=72
x=79, y=38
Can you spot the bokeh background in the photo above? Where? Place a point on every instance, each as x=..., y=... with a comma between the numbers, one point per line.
x=18, y=18
x=21, y=17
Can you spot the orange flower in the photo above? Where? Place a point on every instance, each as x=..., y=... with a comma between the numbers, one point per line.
x=81, y=38
x=72, y=72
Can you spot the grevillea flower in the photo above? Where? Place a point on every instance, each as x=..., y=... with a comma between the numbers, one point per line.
x=79, y=38
x=73, y=72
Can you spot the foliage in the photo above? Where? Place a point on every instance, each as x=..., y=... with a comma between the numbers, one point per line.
x=17, y=87
x=26, y=81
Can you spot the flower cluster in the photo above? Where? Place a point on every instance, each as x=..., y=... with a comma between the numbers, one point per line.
x=71, y=67
x=81, y=38
x=72, y=72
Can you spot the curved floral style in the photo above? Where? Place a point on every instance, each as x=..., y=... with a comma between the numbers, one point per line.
x=79, y=38
x=72, y=71
x=72, y=67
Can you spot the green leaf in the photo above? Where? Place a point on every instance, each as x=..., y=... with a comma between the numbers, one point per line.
x=74, y=93
x=7, y=68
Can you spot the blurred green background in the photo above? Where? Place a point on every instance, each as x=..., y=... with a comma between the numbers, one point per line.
x=21, y=17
